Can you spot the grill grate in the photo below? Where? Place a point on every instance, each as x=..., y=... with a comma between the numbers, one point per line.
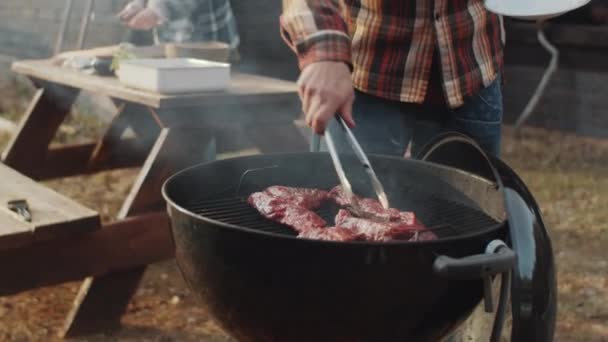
x=446, y=218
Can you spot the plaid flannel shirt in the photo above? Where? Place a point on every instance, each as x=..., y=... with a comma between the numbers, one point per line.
x=196, y=21
x=390, y=44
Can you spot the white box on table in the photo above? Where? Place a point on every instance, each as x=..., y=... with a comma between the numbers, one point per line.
x=174, y=75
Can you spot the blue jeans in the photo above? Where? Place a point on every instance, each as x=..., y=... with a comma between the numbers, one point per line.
x=387, y=127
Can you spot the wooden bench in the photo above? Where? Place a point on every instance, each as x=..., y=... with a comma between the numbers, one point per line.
x=48, y=214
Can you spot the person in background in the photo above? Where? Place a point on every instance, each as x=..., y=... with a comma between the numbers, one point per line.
x=401, y=70
x=182, y=21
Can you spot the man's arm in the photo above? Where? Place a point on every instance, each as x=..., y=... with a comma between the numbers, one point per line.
x=316, y=31
x=131, y=9
x=158, y=12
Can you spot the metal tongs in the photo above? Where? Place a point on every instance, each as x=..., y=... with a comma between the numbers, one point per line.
x=378, y=188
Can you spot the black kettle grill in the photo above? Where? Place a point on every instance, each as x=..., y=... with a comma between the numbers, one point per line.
x=261, y=283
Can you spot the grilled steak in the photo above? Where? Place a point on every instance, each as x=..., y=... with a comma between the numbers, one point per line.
x=288, y=210
x=266, y=204
x=331, y=234
x=294, y=207
x=377, y=230
x=372, y=208
x=304, y=197
x=298, y=218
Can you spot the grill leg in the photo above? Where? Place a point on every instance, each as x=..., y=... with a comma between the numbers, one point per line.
x=478, y=327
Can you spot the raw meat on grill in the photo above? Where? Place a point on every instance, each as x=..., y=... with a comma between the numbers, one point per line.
x=299, y=218
x=372, y=208
x=286, y=210
x=305, y=197
x=331, y=234
x=294, y=207
x=377, y=230
x=265, y=203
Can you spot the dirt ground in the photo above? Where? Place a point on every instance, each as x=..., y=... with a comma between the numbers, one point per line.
x=567, y=174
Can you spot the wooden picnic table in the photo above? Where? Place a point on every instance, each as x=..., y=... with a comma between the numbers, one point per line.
x=171, y=132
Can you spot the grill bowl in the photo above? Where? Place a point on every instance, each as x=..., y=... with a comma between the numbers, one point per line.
x=261, y=284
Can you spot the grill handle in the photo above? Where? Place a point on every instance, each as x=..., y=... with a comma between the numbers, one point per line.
x=476, y=266
x=498, y=259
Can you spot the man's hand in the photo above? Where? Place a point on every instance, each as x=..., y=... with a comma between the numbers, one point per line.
x=146, y=19
x=326, y=89
x=130, y=10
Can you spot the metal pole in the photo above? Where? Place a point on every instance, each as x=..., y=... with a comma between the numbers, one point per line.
x=84, y=23
x=67, y=9
x=545, y=79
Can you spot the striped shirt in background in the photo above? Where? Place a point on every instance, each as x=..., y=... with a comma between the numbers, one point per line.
x=391, y=44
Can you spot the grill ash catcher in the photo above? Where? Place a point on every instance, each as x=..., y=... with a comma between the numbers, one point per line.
x=261, y=283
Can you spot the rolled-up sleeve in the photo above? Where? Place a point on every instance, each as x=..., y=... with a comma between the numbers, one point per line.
x=315, y=31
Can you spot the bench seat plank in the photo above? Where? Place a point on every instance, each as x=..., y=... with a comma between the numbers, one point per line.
x=52, y=214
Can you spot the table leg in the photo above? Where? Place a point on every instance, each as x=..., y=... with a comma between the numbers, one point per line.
x=45, y=113
x=102, y=300
x=145, y=126
x=144, y=121
x=113, y=134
